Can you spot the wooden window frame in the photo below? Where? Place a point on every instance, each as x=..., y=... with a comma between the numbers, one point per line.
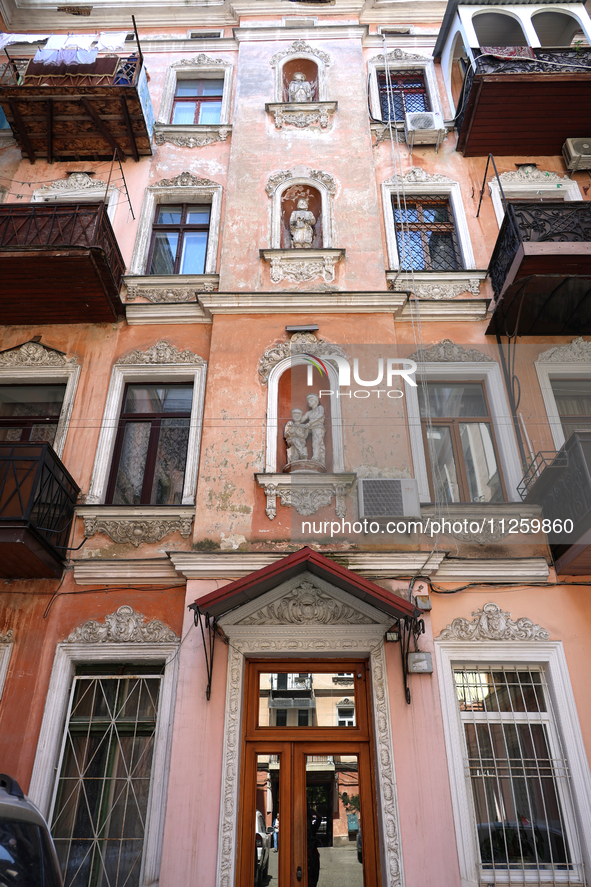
x=26, y=422
x=399, y=88
x=155, y=420
x=198, y=99
x=183, y=227
x=453, y=424
x=570, y=419
x=423, y=227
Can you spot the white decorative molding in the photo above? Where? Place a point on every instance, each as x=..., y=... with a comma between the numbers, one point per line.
x=123, y=627
x=182, y=188
x=163, y=362
x=572, y=361
x=494, y=520
x=292, y=176
x=307, y=604
x=446, y=350
x=307, y=493
x=509, y=570
x=299, y=343
x=529, y=182
x=166, y=313
x=79, y=187
x=125, y=571
x=299, y=265
x=136, y=524
x=191, y=136
x=577, y=351
x=418, y=176
x=446, y=285
x=493, y=624
x=398, y=55
x=76, y=181
x=299, y=49
x=202, y=67
x=199, y=61
x=529, y=172
x=33, y=363
x=292, y=301
x=170, y=288
x=301, y=114
x=450, y=310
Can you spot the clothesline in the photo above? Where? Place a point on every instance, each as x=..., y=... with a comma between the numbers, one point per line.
x=107, y=41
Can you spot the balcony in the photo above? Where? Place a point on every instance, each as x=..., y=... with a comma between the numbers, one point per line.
x=540, y=270
x=37, y=499
x=59, y=263
x=74, y=112
x=525, y=106
x=561, y=483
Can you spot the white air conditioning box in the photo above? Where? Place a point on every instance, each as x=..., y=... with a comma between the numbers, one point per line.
x=424, y=128
x=577, y=154
x=385, y=497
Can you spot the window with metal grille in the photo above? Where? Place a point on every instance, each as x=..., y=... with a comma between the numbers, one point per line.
x=426, y=235
x=30, y=412
x=179, y=239
x=518, y=774
x=101, y=798
x=402, y=92
x=197, y=101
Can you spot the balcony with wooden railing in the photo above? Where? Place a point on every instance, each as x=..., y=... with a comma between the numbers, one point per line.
x=59, y=263
x=78, y=111
x=37, y=500
x=540, y=270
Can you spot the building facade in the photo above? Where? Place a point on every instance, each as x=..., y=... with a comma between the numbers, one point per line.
x=295, y=396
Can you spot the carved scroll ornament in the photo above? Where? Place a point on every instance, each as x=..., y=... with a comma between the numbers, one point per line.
x=299, y=343
x=577, y=351
x=307, y=605
x=448, y=352
x=493, y=624
x=123, y=627
x=161, y=353
x=137, y=532
x=32, y=354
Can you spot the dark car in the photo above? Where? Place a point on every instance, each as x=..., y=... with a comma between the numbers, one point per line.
x=358, y=843
x=27, y=854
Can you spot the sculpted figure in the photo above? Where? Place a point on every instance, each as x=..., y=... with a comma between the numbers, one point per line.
x=299, y=89
x=301, y=225
x=314, y=421
x=296, y=435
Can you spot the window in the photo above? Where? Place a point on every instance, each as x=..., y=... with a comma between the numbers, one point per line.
x=345, y=716
x=460, y=443
x=426, y=235
x=573, y=401
x=30, y=412
x=517, y=773
x=151, y=445
x=303, y=717
x=179, y=239
x=99, y=812
x=402, y=92
x=197, y=101
x=281, y=717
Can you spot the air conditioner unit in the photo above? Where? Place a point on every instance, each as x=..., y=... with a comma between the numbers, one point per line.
x=424, y=128
x=384, y=497
x=577, y=154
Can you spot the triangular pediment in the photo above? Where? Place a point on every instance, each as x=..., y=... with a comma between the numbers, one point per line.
x=305, y=600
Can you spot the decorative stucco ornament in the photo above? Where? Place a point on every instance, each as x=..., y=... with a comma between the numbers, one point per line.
x=448, y=352
x=305, y=497
x=137, y=531
x=299, y=271
x=76, y=181
x=299, y=343
x=530, y=173
x=493, y=624
x=200, y=60
x=577, y=351
x=123, y=627
x=398, y=55
x=438, y=290
x=7, y=637
x=167, y=294
x=186, y=180
x=191, y=141
x=302, y=172
x=300, y=119
x=307, y=605
x=417, y=176
x=276, y=179
x=296, y=48
x=33, y=354
x=161, y=353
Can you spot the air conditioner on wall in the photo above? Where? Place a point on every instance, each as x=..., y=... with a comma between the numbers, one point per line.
x=577, y=154
x=381, y=497
x=424, y=128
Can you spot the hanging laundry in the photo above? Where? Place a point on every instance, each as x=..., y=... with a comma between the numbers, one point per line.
x=111, y=41
x=8, y=39
x=79, y=41
x=47, y=56
x=67, y=56
x=56, y=41
x=86, y=56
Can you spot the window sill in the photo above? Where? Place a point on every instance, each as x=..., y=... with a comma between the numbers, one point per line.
x=301, y=114
x=436, y=284
x=307, y=493
x=297, y=265
x=168, y=288
x=136, y=524
x=191, y=135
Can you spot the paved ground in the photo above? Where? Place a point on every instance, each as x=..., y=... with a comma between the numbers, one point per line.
x=338, y=868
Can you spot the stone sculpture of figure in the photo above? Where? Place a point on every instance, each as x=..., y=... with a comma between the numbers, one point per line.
x=301, y=225
x=314, y=421
x=296, y=435
x=299, y=89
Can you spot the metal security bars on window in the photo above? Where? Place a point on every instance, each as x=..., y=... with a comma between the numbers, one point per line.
x=405, y=92
x=518, y=774
x=99, y=813
x=426, y=235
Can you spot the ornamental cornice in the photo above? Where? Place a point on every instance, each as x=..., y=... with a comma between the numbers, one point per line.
x=138, y=531
x=307, y=493
x=530, y=173
x=448, y=352
x=299, y=343
x=161, y=353
x=437, y=288
x=201, y=61
x=301, y=265
x=7, y=637
x=301, y=114
x=300, y=172
x=307, y=604
x=186, y=180
x=170, y=289
x=123, y=627
x=33, y=354
x=493, y=624
x=298, y=47
x=76, y=181
x=196, y=136
x=398, y=55
x=418, y=176
x=577, y=351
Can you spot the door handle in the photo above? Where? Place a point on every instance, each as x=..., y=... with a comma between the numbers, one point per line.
x=299, y=873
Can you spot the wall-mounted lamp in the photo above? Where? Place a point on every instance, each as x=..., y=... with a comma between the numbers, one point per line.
x=393, y=635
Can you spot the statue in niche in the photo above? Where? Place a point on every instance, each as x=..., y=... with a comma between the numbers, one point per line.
x=301, y=225
x=296, y=433
x=299, y=89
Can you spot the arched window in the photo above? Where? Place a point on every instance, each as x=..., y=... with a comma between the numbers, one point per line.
x=300, y=57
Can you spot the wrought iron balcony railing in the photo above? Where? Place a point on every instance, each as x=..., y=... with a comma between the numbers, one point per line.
x=547, y=222
x=106, y=70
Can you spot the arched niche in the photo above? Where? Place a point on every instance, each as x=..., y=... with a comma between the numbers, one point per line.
x=498, y=29
x=459, y=64
x=305, y=66
x=555, y=28
x=289, y=202
x=292, y=391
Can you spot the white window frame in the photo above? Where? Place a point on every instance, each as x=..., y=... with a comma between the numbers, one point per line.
x=349, y=704
x=43, y=780
x=549, y=655
x=453, y=192
x=68, y=375
x=548, y=371
x=186, y=69
x=377, y=65
x=565, y=190
x=161, y=373
x=156, y=194
x=500, y=415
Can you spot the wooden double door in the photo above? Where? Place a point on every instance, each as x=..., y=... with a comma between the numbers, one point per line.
x=307, y=807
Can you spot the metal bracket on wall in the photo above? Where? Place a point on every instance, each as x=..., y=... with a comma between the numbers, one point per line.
x=205, y=621
x=408, y=627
